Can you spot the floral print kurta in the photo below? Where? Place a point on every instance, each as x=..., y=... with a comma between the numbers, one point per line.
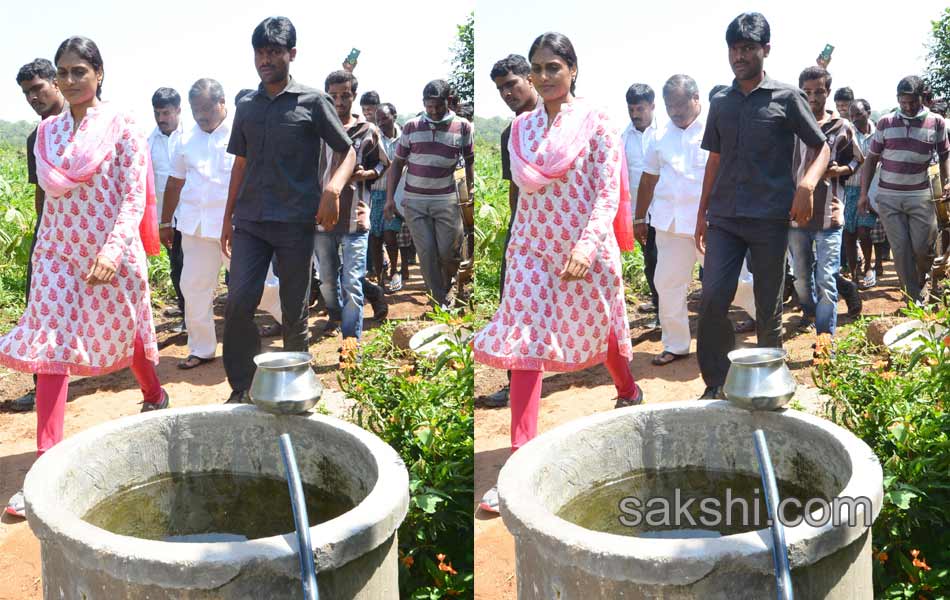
x=543, y=322
x=71, y=327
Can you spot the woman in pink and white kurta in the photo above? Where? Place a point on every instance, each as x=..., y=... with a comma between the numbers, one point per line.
x=89, y=310
x=563, y=307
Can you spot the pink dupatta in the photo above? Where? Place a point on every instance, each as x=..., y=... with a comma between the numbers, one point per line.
x=564, y=143
x=93, y=142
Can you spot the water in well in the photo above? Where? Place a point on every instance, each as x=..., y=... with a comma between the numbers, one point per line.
x=210, y=507
x=644, y=504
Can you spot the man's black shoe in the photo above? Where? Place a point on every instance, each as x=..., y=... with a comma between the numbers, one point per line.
x=713, y=392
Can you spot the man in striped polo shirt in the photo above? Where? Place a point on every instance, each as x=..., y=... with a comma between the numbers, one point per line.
x=904, y=142
x=431, y=145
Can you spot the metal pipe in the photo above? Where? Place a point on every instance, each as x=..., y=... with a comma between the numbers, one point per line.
x=308, y=574
x=783, y=572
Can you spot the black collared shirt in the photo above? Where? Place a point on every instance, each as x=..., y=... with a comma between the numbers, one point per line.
x=280, y=138
x=754, y=136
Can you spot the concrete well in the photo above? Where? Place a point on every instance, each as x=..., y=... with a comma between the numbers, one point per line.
x=559, y=560
x=355, y=553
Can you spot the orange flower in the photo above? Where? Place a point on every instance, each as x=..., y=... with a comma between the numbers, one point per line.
x=445, y=567
x=414, y=379
x=882, y=557
x=920, y=563
x=888, y=375
x=408, y=561
x=879, y=365
x=818, y=362
x=946, y=341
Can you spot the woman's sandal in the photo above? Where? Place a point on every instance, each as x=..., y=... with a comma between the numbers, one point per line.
x=636, y=400
x=193, y=361
x=665, y=358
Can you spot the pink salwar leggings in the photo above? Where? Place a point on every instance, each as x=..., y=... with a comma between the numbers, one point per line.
x=51, y=398
x=525, y=393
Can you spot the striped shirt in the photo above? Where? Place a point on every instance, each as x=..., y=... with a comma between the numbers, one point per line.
x=905, y=147
x=828, y=207
x=432, y=151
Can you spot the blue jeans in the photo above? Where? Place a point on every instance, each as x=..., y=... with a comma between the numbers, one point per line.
x=340, y=277
x=816, y=258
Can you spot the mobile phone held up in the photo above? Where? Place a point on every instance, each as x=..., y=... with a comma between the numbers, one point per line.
x=825, y=55
x=352, y=57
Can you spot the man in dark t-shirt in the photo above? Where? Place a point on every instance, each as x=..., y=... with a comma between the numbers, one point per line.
x=511, y=77
x=37, y=80
x=275, y=198
x=749, y=195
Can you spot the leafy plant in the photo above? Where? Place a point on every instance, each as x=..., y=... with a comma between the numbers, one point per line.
x=898, y=406
x=424, y=409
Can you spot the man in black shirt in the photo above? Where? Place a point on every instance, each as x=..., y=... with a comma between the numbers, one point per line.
x=512, y=78
x=37, y=80
x=275, y=198
x=749, y=195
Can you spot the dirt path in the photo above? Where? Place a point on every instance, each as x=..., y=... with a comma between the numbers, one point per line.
x=569, y=396
x=94, y=400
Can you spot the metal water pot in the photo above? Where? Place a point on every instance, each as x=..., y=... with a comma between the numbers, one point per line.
x=759, y=379
x=284, y=383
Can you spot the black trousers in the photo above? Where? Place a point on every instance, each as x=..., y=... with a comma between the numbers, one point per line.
x=253, y=245
x=176, y=258
x=649, y=266
x=727, y=241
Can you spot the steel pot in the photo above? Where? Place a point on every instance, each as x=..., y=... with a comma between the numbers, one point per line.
x=759, y=379
x=284, y=383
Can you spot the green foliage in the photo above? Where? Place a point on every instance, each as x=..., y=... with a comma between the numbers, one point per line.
x=488, y=131
x=938, y=55
x=17, y=220
x=15, y=133
x=491, y=225
x=463, y=62
x=898, y=406
x=424, y=410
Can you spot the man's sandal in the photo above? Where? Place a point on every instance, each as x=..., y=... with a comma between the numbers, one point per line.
x=665, y=358
x=193, y=361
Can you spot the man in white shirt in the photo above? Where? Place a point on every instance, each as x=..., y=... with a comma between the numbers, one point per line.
x=637, y=139
x=669, y=191
x=196, y=194
x=166, y=106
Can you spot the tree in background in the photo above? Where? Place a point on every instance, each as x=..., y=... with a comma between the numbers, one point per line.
x=463, y=63
x=938, y=56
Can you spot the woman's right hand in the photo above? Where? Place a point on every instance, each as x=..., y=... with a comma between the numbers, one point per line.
x=863, y=204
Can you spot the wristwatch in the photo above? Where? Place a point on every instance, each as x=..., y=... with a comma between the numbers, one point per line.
x=639, y=221
x=164, y=225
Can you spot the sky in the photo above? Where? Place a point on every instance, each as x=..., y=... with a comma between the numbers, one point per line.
x=620, y=43
x=175, y=42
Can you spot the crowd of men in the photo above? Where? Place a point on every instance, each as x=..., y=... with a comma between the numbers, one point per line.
x=297, y=195
x=772, y=192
